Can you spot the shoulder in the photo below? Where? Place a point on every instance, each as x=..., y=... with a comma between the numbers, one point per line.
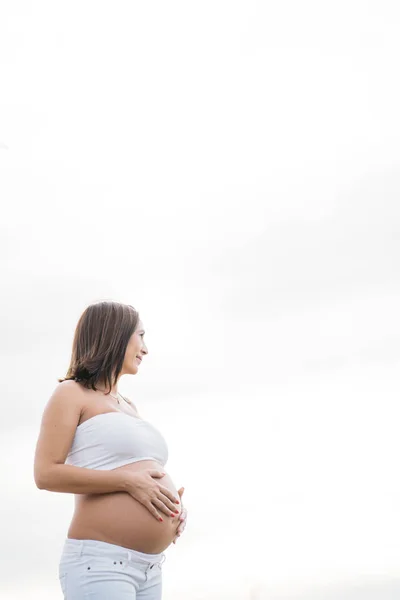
x=65, y=402
x=69, y=386
x=69, y=391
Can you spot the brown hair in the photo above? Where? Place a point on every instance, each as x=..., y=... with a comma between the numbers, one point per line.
x=100, y=340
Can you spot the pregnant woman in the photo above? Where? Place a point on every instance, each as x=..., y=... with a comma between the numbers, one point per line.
x=93, y=443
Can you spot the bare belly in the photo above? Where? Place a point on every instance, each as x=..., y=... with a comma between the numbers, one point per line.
x=117, y=518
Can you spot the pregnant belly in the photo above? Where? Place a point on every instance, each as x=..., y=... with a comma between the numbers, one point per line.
x=117, y=518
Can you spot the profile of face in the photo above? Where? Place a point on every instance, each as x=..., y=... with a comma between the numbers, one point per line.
x=136, y=348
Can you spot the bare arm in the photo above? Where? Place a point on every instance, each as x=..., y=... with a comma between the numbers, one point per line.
x=59, y=422
x=79, y=480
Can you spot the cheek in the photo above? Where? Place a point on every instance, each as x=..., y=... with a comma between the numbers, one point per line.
x=130, y=355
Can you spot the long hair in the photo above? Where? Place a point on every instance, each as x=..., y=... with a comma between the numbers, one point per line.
x=100, y=340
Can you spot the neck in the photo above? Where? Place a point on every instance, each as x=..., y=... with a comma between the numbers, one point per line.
x=104, y=389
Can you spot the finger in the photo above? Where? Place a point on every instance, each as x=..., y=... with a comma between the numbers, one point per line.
x=181, y=527
x=156, y=473
x=169, y=494
x=154, y=512
x=183, y=515
x=163, y=505
x=171, y=505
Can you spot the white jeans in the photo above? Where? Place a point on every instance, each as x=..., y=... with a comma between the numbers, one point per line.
x=93, y=570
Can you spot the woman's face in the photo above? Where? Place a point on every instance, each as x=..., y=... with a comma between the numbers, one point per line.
x=136, y=347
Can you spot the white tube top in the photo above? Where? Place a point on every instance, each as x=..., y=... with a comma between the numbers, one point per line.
x=114, y=439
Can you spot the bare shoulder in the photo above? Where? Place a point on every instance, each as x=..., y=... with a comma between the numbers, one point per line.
x=68, y=392
x=70, y=386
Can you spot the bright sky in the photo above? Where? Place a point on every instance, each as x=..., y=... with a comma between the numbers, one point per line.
x=231, y=169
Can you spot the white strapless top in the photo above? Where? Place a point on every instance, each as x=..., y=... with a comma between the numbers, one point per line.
x=114, y=439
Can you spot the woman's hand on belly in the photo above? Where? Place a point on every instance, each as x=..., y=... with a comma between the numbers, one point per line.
x=140, y=484
x=182, y=517
x=119, y=519
x=182, y=524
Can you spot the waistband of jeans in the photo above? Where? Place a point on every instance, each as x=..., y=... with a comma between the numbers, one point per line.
x=99, y=548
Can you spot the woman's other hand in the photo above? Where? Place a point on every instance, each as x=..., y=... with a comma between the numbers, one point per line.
x=182, y=517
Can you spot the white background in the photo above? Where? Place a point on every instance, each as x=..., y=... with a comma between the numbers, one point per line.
x=232, y=170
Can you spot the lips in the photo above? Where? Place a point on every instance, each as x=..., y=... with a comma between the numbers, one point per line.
x=138, y=357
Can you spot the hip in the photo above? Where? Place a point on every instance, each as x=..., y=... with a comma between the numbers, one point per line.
x=95, y=569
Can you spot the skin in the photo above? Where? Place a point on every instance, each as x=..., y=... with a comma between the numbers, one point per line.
x=137, y=347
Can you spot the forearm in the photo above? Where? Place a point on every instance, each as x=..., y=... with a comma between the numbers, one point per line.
x=79, y=480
